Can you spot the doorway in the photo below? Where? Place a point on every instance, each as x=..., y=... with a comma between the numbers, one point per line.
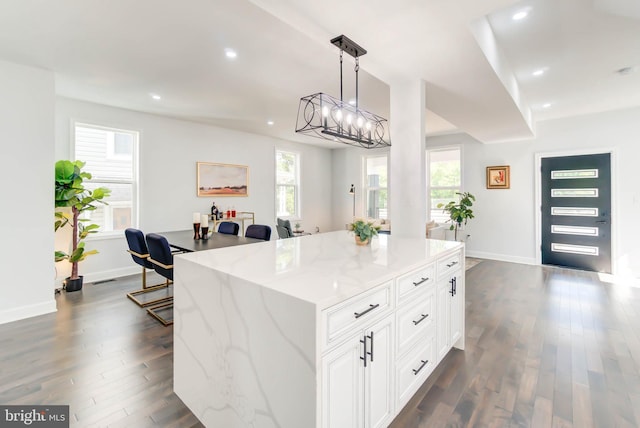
x=576, y=211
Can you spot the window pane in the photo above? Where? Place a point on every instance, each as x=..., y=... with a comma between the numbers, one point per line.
x=286, y=198
x=377, y=204
x=441, y=196
x=97, y=148
x=377, y=171
x=444, y=168
x=117, y=215
x=285, y=168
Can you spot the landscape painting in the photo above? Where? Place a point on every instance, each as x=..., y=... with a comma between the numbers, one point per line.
x=218, y=179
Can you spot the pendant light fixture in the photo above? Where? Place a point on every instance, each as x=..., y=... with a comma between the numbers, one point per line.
x=321, y=115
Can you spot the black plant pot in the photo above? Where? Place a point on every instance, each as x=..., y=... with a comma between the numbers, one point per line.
x=73, y=284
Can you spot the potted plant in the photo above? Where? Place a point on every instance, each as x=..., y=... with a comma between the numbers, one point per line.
x=298, y=226
x=459, y=213
x=71, y=193
x=363, y=230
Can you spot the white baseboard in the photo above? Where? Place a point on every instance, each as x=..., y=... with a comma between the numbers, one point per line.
x=502, y=257
x=28, y=311
x=104, y=275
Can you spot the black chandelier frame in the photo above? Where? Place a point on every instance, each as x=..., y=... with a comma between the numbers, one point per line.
x=323, y=116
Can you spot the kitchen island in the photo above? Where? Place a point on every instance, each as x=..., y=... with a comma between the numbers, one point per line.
x=313, y=331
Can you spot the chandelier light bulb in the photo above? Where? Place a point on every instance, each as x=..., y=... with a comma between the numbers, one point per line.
x=325, y=111
x=339, y=115
x=349, y=119
x=360, y=121
x=368, y=126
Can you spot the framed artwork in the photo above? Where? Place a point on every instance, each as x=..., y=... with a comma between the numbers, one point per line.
x=498, y=177
x=219, y=179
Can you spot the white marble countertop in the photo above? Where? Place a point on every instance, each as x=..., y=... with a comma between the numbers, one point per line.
x=324, y=268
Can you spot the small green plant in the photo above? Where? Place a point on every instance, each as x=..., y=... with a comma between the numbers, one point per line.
x=364, y=229
x=71, y=193
x=460, y=212
x=297, y=226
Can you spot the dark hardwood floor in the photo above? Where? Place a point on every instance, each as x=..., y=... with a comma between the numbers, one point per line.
x=545, y=347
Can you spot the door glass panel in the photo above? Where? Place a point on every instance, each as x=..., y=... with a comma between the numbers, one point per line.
x=574, y=249
x=574, y=230
x=574, y=193
x=574, y=173
x=574, y=211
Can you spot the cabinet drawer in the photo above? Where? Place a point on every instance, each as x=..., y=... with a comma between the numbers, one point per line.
x=415, y=281
x=414, y=319
x=345, y=316
x=449, y=264
x=414, y=368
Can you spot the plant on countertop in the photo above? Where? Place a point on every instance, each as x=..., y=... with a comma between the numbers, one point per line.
x=364, y=229
x=459, y=213
x=71, y=192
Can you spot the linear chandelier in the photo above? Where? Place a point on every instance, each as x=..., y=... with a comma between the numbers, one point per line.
x=323, y=116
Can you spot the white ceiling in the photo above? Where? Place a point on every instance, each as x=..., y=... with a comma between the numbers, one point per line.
x=477, y=61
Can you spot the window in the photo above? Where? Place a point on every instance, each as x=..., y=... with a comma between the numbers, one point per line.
x=444, y=180
x=376, y=180
x=110, y=157
x=287, y=184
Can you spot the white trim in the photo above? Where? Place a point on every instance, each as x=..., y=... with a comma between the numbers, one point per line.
x=297, y=186
x=614, y=186
x=459, y=188
x=502, y=257
x=28, y=311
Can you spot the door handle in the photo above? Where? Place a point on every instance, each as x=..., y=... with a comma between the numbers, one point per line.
x=601, y=222
x=364, y=354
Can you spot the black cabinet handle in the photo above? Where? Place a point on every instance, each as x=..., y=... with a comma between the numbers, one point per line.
x=364, y=354
x=371, y=307
x=421, y=281
x=424, y=316
x=370, y=353
x=452, y=291
x=452, y=264
x=424, y=363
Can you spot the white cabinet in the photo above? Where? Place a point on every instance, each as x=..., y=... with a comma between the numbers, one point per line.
x=450, y=304
x=357, y=379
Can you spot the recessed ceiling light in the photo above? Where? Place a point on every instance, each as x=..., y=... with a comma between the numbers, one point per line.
x=156, y=97
x=546, y=105
x=230, y=53
x=520, y=15
x=270, y=122
x=539, y=72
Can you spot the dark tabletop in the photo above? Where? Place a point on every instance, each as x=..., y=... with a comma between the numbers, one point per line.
x=183, y=240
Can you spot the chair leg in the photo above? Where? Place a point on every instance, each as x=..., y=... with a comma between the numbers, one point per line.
x=155, y=312
x=132, y=295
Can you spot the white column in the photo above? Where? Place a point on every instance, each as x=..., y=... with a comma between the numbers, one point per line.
x=408, y=195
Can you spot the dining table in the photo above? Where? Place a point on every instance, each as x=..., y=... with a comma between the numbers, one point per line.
x=183, y=240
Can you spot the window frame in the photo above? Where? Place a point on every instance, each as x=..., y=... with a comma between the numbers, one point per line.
x=459, y=188
x=297, y=187
x=110, y=156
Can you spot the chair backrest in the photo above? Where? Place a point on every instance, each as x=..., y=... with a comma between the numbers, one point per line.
x=229, y=227
x=283, y=233
x=258, y=231
x=138, y=247
x=160, y=252
x=286, y=224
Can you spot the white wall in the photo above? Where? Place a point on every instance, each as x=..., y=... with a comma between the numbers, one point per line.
x=26, y=216
x=504, y=226
x=169, y=150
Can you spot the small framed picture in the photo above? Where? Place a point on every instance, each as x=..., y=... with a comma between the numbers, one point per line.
x=498, y=177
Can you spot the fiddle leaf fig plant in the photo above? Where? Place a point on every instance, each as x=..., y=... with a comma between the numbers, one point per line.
x=70, y=192
x=459, y=212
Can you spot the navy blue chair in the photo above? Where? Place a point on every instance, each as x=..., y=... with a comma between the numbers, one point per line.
x=258, y=231
x=161, y=257
x=140, y=255
x=229, y=228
